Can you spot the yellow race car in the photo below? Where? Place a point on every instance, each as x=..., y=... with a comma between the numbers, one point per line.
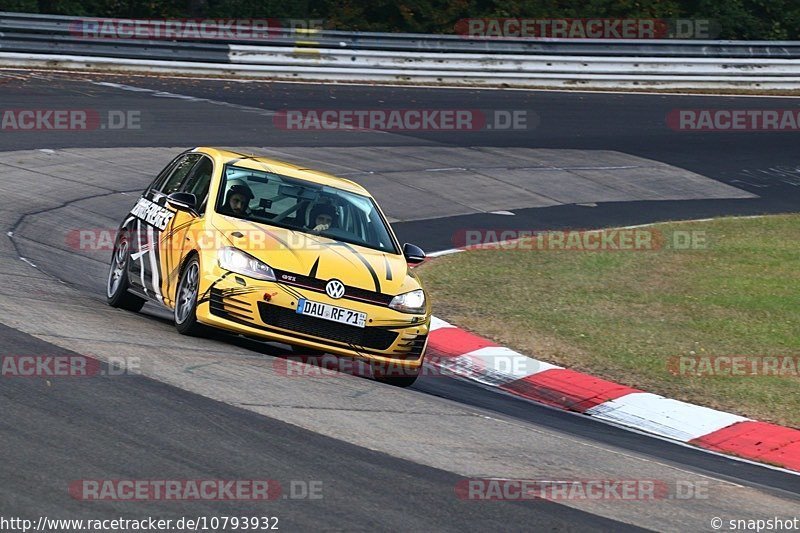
x=267, y=249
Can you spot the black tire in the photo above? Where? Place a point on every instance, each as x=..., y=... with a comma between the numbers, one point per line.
x=117, y=294
x=301, y=350
x=185, y=313
x=403, y=380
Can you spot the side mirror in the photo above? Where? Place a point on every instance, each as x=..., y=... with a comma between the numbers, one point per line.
x=185, y=201
x=413, y=253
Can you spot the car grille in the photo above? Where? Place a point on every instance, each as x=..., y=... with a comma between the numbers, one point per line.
x=368, y=337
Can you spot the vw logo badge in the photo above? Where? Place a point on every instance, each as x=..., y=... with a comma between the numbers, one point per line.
x=335, y=289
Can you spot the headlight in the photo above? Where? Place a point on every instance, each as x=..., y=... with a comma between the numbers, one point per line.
x=237, y=261
x=410, y=302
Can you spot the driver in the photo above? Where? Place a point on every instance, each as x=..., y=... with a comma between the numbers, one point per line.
x=322, y=217
x=237, y=201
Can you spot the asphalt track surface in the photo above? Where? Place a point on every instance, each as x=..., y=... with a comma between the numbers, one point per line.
x=138, y=427
x=100, y=428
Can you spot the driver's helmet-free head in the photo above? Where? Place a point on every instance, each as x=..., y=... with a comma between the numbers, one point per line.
x=238, y=187
x=323, y=209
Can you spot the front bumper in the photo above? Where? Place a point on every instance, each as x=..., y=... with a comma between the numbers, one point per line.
x=267, y=310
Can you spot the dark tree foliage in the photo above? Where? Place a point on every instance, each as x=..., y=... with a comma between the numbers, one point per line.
x=735, y=19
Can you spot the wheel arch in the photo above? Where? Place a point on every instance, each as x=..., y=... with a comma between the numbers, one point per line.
x=185, y=261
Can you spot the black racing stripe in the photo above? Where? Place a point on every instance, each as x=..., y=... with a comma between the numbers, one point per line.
x=163, y=282
x=388, y=268
x=163, y=236
x=175, y=229
x=238, y=291
x=313, y=273
x=333, y=246
x=205, y=297
x=366, y=264
x=290, y=291
x=143, y=272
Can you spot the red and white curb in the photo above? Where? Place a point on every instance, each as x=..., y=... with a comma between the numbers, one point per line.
x=469, y=356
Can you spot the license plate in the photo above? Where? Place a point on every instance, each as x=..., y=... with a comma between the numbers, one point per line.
x=332, y=313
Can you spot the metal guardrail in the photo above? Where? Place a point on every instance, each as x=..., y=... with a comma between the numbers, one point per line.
x=36, y=40
x=63, y=25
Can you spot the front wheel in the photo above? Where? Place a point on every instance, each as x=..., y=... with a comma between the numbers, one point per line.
x=117, y=294
x=186, y=300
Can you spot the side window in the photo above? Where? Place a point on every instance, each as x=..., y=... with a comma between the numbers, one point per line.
x=199, y=180
x=182, y=168
x=163, y=175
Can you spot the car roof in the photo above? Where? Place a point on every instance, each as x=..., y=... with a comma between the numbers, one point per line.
x=255, y=162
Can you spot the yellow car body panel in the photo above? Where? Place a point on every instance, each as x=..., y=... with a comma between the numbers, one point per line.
x=303, y=264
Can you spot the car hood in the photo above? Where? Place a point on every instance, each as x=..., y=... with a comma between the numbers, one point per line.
x=294, y=252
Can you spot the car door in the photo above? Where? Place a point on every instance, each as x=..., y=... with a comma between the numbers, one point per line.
x=183, y=230
x=153, y=217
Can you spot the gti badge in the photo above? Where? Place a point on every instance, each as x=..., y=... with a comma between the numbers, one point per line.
x=335, y=289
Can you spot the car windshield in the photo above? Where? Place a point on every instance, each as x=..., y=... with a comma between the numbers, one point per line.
x=304, y=206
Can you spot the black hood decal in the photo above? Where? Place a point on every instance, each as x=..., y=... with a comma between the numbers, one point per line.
x=366, y=264
x=313, y=273
x=388, y=268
